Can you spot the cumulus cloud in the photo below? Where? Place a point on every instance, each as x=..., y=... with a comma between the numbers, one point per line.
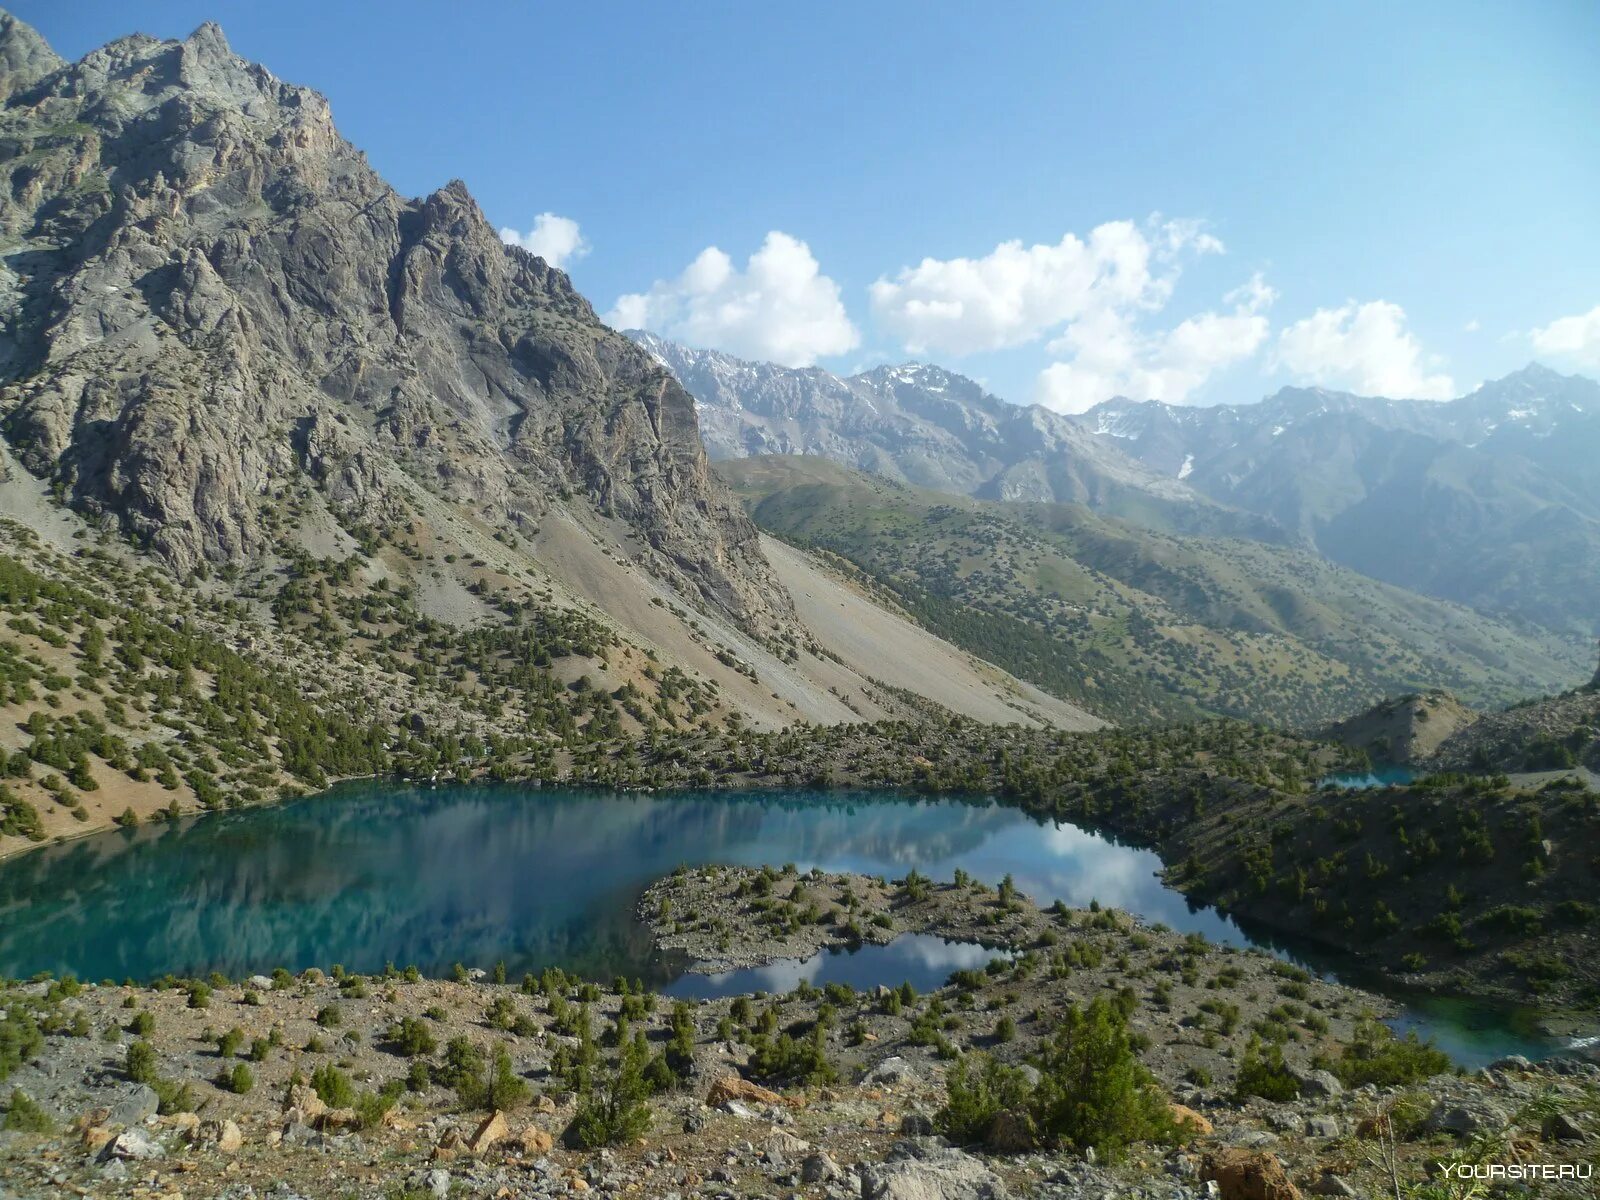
x=1577, y=338
x=1107, y=355
x=1091, y=296
x=1016, y=294
x=780, y=308
x=557, y=240
x=1363, y=347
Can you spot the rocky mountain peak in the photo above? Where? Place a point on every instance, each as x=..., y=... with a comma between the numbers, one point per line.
x=216, y=299
x=25, y=57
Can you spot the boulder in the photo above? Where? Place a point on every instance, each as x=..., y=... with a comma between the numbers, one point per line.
x=927, y=1171
x=132, y=1106
x=1190, y=1123
x=224, y=1135
x=819, y=1168
x=1465, y=1119
x=134, y=1144
x=492, y=1130
x=1319, y=1084
x=1247, y=1175
x=733, y=1088
x=534, y=1140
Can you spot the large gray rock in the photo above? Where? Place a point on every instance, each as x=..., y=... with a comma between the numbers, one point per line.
x=921, y=1171
x=1322, y=1084
x=133, y=1144
x=1465, y=1118
x=819, y=1168
x=1323, y=1126
x=132, y=1106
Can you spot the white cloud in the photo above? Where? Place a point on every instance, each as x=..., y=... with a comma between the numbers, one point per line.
x=1577, y=338
x=1363, y=347
x=780, y=308
x=1109, y=356
x=557, y=240
x=1016, y=294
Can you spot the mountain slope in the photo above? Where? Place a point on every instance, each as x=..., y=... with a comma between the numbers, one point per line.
x=1491, y=500
x=1138, y=624
x=923, y=425
x=300, y=478
x=211, y=299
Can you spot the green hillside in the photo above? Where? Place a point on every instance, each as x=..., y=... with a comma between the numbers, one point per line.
x=1142, y=625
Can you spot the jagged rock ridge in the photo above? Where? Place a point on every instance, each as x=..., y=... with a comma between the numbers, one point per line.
x=211, y=299
x=921, y=424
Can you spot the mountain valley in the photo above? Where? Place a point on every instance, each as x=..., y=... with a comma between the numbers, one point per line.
x=338, y=506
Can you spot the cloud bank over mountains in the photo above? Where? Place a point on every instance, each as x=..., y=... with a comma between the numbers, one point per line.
x=1094, y=305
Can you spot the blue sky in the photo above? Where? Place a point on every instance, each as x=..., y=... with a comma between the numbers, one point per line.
x=1206, y=201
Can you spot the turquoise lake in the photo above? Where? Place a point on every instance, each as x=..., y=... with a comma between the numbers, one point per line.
x=375, y=873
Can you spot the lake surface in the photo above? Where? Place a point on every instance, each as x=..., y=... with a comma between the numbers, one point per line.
x=377, y=873
x=1375, y=778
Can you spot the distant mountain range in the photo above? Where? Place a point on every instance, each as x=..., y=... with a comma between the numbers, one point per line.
x=1492, y=500
x=931, y=428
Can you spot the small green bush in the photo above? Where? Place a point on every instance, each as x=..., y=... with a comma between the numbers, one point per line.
x=333, y=1086
x=25, y=1116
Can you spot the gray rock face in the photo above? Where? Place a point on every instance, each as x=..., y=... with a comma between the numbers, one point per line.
x=922, y=1171
x=1464, y=1119
x=212, y=303
x=1319, y=1083
x=24, y=56
x=133, y=1106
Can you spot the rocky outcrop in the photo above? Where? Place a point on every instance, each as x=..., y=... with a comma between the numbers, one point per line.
x=924, y=1171
x=1405, y=730
x=218, y=310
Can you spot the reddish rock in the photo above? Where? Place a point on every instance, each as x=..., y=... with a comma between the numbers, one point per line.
x=1248, y=1175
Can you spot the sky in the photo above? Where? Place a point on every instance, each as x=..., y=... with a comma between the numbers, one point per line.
x=1184, y=202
